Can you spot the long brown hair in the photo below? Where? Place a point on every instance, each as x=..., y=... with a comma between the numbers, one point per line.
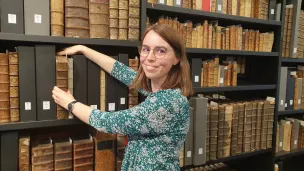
x=179, y=75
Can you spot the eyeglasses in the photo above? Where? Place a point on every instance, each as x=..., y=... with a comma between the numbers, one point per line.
x=159, y=51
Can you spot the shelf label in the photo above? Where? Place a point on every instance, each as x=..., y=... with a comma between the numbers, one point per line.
x=196, y=79
x=12, y=18
x=178, y=2
x=28, y=105
x=282, y=102
x=291, y=102
x=221, y=80
x=285, y=104
x=122, y=100
x=281, y=144
x=162, y=1
x=37, y=18
x=94, y=106
x=200, y=151
x=46, y=105
x=299, y=101
x=111, y=106
x=295, y=50
x=219, y=7
x=188, y=153
x=272, y=11
x=295, y=142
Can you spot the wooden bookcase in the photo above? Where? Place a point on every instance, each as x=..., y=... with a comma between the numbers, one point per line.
x=270, y=63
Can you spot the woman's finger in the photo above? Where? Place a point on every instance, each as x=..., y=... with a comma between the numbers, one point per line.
x=57, y=89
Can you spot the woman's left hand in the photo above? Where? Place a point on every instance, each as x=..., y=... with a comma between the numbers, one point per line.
x=61, y=97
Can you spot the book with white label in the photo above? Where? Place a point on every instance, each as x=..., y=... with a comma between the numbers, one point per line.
x=37, y=17
x=12, y=16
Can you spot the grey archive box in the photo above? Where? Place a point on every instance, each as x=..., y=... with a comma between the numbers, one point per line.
x=37, y=17
x=12, y=16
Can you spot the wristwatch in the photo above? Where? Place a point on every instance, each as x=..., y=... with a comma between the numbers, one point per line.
x=71, y=106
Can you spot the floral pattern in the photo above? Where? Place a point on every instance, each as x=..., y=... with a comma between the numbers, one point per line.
x=156, y=128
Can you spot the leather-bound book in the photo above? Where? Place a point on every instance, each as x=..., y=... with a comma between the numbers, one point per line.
x=123, y=10
x=42, y=155
x=241, y=120
x=205, y=34
x=133, y=94
x=121, y=147
x=227, y=130
x=210, y=36
x=253, y=124
x=213, y=5
x=57, y=17
x=63, y=155
x=211, y=74
x=205, y=73
x=234, y=73
x=24, y=153
x=99, y=19
x=264, y=124
x=77, y=18
x=134, y=20
x=194, y=38
x=221, y=122
x=14, y=90
x=214, y=126
x=5, y=84
x=247, y=126
x=83, y=154
x=189, y=25
x=113, y=19
x=62, y=79
x=200, y=33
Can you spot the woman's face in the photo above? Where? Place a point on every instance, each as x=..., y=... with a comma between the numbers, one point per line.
x=157, y=56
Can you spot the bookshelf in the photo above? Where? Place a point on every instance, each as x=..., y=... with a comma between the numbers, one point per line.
x=269, y=86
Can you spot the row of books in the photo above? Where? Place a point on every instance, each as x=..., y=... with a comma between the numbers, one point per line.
x=214, y=167
x=34, y=152
x=221, y=128
x=293, y=39
x=209, y=34
x=70, y=18
x=290, y=134
x=262, y=9
x=28, y=76
x=291, y=94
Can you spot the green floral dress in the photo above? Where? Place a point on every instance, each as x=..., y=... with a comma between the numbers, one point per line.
x=156, y=128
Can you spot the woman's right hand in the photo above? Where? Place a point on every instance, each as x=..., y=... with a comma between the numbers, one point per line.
x=72, y=50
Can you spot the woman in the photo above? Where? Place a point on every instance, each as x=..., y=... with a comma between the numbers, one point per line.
x=157, y=127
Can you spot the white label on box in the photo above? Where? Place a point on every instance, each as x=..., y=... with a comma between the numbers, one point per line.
x=162, y=1
x=295, y=142
x=196, y=79
x=122, y=100
x=188, y=153
x=272, y=11
x=200, y=151
x=178, y=2
x=12, y=18
x=219, y=7
x=221, y=80
x=281, y=144
x=294, y=50
x=37, y=18
x=299, y=101
x=291, y=102
x=46, y=105
x=282, y=102
x=285, y=104
x=28, y=105
x=94, y=106
x=111, y=106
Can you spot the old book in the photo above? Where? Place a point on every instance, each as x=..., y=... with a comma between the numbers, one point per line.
x=113, y=19
x=77, y=18
x=189, y=26
x=71, y=76
x=254, y=124
x=287, y=134
x=14, y=90
x=234, y=129
x=24, y=153
x=134, y=15
x=295, y=28
x=200, y=34
x=42, y=155
x=211, y=76
x=63, y=154
x=83, y=154
x=123, y=10
x=99, y=19
x=37, y=17
x=205, y=34
x=270, y=121
x=264, y=129
x=194, y=38
x=247, y=126
x=294, y=136
x=5, y=88
x=259, y=125
x=227, y=130
x=220, y=138
x=62, y=68
x=213, y=130
x=57, y=17
x=104, y=152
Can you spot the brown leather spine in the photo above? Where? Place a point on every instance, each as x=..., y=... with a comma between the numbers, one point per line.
x=4, y=88
x=62, y=66
x=99, y=19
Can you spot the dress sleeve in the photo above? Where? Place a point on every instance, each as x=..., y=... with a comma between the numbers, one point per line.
x=153, y=116
x=125, y=75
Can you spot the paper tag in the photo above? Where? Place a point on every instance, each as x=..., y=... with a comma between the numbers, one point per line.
x=285, y=104
x=282, y=102
x=221, y=80
x=46, y=105
x=12, y=18
x=94, y=106
x=200, y=151
x=28, y=105
x=219, y=7
x=188, y=153
x=295, y=142
x=294, y=50
x=37, y=18
x=196, y=79
x=178, y=2
x=291, y=102
x=281, y=144
x=299, y=101
x=122, y=100
x=111, y=106
x=70, y=140
x=272, y=11
x=162, y=1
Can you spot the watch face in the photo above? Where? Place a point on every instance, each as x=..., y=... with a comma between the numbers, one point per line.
x=70, y=106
